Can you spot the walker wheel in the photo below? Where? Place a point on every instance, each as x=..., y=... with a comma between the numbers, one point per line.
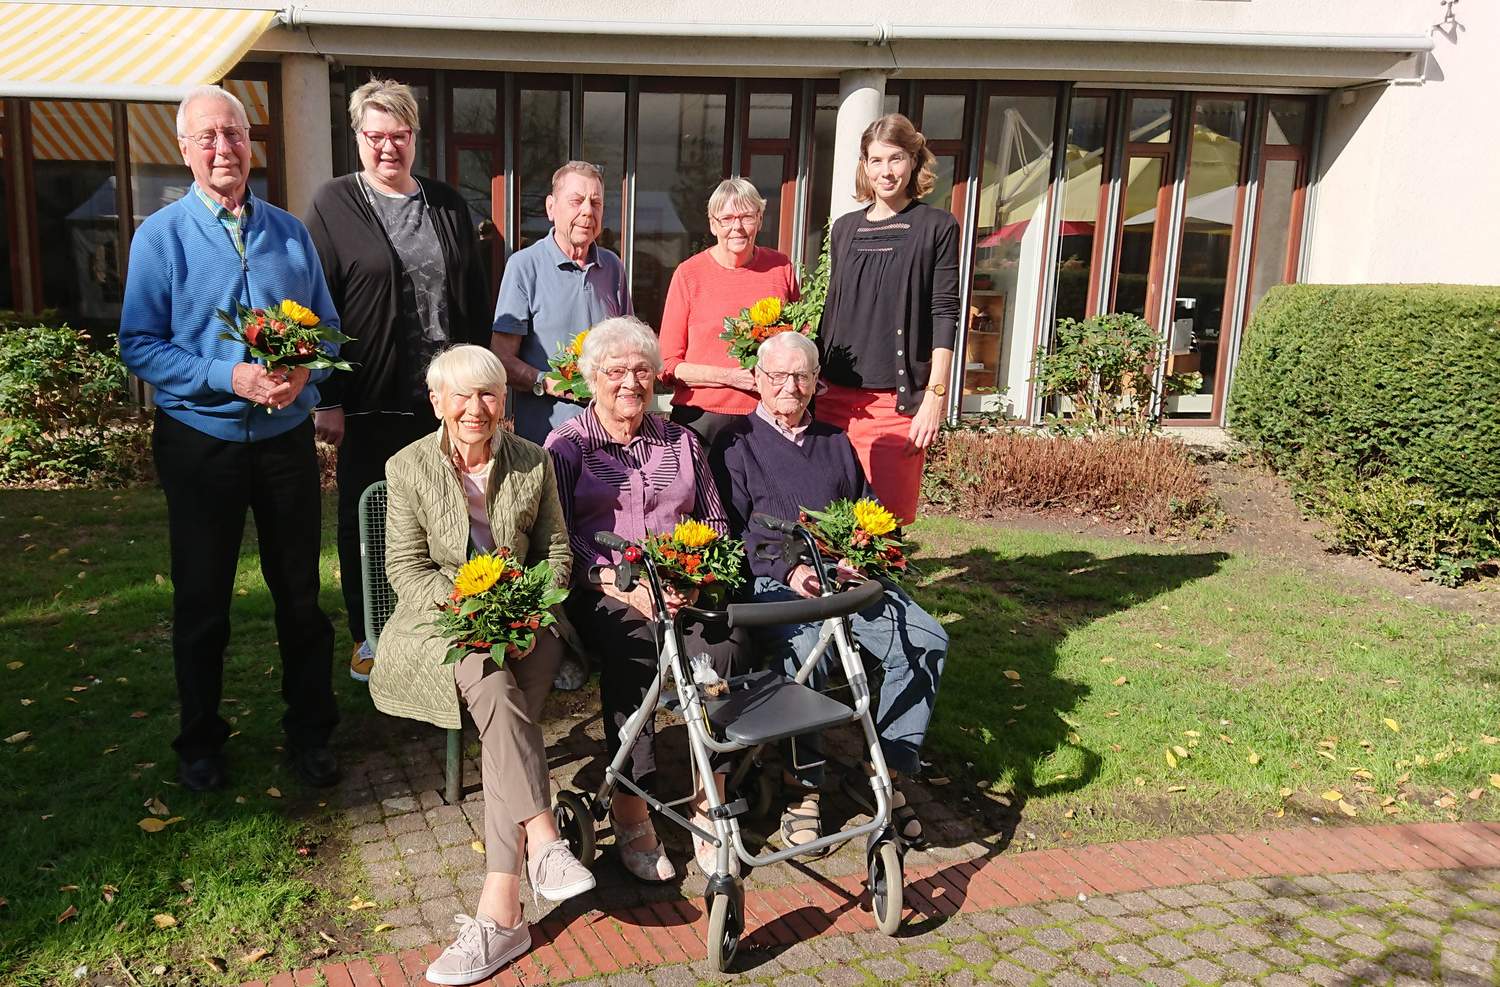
x=886, y=888
x=725, y=923
x=575, y=823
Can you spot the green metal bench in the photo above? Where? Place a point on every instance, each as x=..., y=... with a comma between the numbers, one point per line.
x=380, y=603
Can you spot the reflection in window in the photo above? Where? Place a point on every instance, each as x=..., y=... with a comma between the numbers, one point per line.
x=766, y=175
x=1273, y=235
x=1142, y=222
x=1287, y=122
x=943, y=117
x=604, y=145
x=1207, y=233
x=476, y=166
x=473, y=110
x=7, y=297
x=820, y=175
x=770, y=116
x=74, y=174
x=541, y=150
x=941, y=195
x=1150, y=119
x=679, y=161
x=346, y=150
x=1088, y=126
x=158, y=176
x=1009, y=253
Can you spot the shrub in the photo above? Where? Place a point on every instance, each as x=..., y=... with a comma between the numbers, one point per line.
x=1148, y=479
x=1104, y=366
x=65, y=415
x=1382, y=403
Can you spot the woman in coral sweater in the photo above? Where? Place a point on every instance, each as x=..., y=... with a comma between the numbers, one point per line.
x=710, y=387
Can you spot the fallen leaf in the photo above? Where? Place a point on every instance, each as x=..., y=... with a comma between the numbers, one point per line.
x=69, y=912
x=19, y=738
x=1191, y=733
x=1332, y=795
x=1396, y=727
x=274, y=792
x=1177, y=788
x=1226, y=738
x=1107, y=660
x=359, y=904
x=1446, y=802
x=163, y=920
x=152, y=825
x=1139, y=782
x=161, y=580
x=216, y=964
x=1180, y=751
x=1347, y=809
x=1112, y=714
x=1069, y=814
x=1495, y=781
x=157, y=808
x=1285, y=793
x=67, y=887
x=1485, y=738
x=255, y=956
x=15, y=665
x=240, y=800
x=1363, y=775
x=1476, y=795
x=383, y=927
x=109, y=750
x=477, y=846
x=1326, y=755
x=1012, y=674
x=139, y=714
x=1121, y=680
x=327, y=938
x=1254, y=758
x=1390, y=810
x=108, y=892
x=1171, y=759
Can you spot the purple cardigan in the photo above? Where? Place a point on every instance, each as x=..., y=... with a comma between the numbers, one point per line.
x=643, y=487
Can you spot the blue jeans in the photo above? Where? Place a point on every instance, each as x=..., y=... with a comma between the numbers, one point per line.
x=904, y=638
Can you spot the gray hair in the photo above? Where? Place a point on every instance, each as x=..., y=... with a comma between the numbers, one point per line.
x=790, y=340
x=583, y=168
x=619, y=336
x=467, y=366
x=736, y=190
x=208, y=92
x=389, y=95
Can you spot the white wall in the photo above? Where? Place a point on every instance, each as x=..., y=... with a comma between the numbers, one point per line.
x=1410, y=183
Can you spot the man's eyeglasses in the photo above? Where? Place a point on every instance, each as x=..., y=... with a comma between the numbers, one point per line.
x=209, y=139
x=800, y=377
x=617, y=374
x=376, y=138
x=745, y=220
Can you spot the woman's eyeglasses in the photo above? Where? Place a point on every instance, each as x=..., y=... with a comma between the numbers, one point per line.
x=617, y=374
x=377, y=138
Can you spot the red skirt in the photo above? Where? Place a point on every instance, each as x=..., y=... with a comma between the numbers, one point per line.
x=878, y=433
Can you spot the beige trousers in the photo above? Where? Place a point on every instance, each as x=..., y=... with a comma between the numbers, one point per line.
x=506, y=704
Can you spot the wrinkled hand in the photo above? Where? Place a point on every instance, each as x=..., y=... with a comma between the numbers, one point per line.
x=925, y=424
x=676, y=599
x=253, y=382
x=290, y=384
x=328, y=423
x=554, y=389
x=740, y=379
x=804, y=581
x=512, y=653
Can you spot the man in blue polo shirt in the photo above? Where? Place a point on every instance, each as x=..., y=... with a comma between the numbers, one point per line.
x=553, y=290
x=231, y=436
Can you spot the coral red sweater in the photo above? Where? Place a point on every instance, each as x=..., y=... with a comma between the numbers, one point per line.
x=702, y=295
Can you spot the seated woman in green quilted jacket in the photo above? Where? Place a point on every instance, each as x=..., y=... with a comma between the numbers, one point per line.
x=469, y=487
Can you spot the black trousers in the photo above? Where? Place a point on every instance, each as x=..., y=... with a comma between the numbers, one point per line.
x=210, y=483
x=369, y=440
x=624, y=647
x=708, y=424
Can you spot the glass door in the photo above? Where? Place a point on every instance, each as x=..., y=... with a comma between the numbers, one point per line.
x=769, y=159
x=1146, y=199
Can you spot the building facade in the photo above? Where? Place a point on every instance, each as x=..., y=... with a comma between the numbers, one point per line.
x=1170, y=158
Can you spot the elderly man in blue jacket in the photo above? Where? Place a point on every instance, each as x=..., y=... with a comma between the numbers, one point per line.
x=230, y=435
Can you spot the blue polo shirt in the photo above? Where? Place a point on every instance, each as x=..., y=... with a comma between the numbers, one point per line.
x=547, y=299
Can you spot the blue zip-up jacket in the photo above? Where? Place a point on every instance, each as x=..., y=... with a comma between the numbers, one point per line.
x=183, y=266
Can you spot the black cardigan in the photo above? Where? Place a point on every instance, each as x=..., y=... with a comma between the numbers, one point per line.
x=925, y=303
x=364, y=277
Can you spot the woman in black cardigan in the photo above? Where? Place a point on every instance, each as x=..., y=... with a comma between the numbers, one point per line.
x=892, y=314
x=403, y=265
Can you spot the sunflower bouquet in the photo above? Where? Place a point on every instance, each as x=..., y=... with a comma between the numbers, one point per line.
x=497, y=606
x=285, y=335
x=565, y=373
x=861, y=531
x=754, y=325
x=694, y=555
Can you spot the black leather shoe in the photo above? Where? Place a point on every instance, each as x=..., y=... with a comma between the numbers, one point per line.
x=316, y=766
x=206, y=774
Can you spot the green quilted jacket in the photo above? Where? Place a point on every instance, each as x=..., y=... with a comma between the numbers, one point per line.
x=427, y=539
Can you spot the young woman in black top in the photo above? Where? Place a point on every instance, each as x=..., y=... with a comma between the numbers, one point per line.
x=889, y=324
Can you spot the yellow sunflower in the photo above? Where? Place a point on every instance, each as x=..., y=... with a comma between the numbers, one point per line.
x=766, y=312
x=693, y=534
x=577, y=346
x=477, y=575
x=300, y=314
x=873, y=518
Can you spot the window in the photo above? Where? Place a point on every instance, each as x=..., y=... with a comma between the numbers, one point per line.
x=1009, y=252
x=770, y=161
x=542, y=146
x=1082, y=202
x=1283, y=181
x=604, y=145
x=1145, y=207
x=7, y=293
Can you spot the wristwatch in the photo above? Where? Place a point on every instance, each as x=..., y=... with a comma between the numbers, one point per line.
x=539, y=386
x=940, y=389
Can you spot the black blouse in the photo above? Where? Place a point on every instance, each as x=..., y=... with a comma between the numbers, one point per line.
x=892, y=300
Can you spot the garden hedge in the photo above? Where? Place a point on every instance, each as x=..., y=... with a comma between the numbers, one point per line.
x=1400, y=381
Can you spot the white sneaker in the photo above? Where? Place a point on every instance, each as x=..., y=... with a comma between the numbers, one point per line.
x=482, y=947
x=556, y=874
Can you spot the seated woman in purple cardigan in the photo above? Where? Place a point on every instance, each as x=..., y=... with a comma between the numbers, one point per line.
x=777, y=460
x=622, y=469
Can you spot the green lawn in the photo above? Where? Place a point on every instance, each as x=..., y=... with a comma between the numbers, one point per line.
x=1207, y=644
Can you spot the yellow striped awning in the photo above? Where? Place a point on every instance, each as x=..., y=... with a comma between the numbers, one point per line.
x=115, y=51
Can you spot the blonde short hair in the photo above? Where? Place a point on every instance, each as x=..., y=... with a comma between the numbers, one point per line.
x=465, y=367
x=389, y=95
x=897, y=130
x=583, y=168
x=619, y=336
x=740, y=191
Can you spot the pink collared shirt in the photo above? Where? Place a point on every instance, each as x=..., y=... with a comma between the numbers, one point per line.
x=794, y=434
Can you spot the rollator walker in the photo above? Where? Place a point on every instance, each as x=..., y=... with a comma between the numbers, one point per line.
x=760, y=708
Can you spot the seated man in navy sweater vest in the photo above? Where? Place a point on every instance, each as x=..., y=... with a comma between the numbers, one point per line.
x=777, y=460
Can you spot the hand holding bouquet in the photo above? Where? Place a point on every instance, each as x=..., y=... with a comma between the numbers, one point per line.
x=754, y=325
x=498, y=606
x=861, y=531
x=564, y=373
x=695, y=556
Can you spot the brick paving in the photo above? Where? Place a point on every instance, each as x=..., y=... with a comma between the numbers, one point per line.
x=1404, y=904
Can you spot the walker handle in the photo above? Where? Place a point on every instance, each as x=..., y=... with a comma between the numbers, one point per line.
x=610, y=540
x=806, y=611
x=776, y=524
